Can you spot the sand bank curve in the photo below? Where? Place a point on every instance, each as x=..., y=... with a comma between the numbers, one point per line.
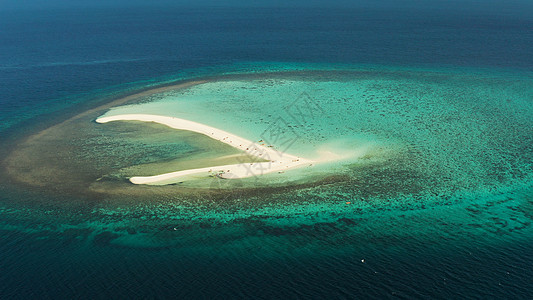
x=277, y=161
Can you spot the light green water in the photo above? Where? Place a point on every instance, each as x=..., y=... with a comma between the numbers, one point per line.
x=436, y=155
x=406, y=132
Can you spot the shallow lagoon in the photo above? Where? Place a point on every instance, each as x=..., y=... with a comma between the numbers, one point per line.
x=443, y=172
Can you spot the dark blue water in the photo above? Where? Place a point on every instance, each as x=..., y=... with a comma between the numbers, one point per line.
x=60, y=58
x=48, y=55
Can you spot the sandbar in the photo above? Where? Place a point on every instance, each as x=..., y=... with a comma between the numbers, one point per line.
x=276, y=161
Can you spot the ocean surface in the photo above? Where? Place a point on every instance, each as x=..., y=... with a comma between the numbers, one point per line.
x=435, y=99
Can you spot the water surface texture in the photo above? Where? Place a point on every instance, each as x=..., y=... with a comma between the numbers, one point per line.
x=430, y=106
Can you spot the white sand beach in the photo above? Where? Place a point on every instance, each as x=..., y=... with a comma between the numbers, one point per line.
x=276, y=161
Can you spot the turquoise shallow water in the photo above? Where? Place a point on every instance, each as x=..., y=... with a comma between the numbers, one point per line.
x=440, y=131
x=441, y=186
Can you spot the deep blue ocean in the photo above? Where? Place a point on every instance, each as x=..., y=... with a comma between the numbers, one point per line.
x=61, y=59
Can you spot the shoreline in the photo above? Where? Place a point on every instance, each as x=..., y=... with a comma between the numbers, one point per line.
x=276, y=161
x=90, y=111
x=29, y=132
x=121, y=101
